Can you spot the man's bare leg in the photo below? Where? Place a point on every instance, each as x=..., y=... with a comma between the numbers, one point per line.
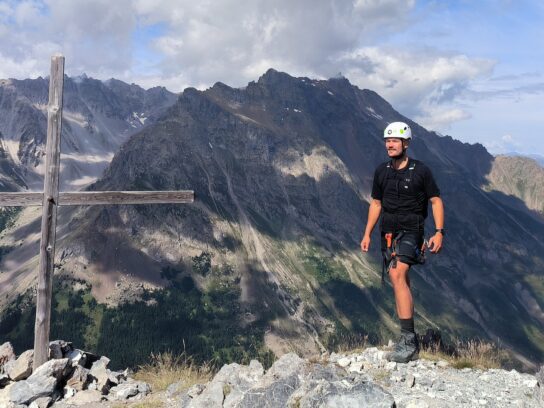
x=401, y=286
x=407, y=348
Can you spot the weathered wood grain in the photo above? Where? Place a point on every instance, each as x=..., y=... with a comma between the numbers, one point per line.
x=125, y=197
x=49, y=216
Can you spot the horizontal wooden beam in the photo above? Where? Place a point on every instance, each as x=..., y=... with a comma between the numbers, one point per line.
x=20, y=199
x=99, y=197
x=126, y=197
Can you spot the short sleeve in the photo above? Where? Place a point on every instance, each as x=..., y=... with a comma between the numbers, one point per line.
x=431, y=189
x=377, y=192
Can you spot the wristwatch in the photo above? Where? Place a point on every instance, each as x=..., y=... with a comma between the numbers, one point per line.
x=441, y=230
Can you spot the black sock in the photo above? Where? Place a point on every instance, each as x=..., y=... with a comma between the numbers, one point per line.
x=407, y=325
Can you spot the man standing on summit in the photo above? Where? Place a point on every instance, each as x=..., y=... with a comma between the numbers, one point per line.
x=401, y=191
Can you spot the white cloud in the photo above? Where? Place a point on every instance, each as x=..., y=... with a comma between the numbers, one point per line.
x=441, y=118
x=419, y=83
x=505, y=144
x=237, y=41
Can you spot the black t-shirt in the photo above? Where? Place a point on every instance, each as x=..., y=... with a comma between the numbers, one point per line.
x=404, y=194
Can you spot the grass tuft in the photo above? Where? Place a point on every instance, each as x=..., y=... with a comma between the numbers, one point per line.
x=166, y=368
x=470, y=354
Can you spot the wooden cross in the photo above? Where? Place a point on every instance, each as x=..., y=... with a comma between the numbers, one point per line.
x=51, y=198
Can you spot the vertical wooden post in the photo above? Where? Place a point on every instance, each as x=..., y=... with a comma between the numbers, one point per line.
x=49, y=217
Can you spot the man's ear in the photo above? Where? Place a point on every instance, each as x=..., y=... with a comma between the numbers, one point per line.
x=405, y=143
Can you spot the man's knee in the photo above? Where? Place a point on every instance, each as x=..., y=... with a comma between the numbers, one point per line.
x=399, y=274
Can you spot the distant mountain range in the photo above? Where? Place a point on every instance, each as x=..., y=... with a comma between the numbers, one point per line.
x=268, y=256
x=98, y=116
x=537, y=157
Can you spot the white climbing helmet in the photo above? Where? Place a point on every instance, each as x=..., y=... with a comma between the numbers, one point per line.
x=399, y=130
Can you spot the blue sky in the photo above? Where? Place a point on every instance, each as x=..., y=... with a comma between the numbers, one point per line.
x=470, y=69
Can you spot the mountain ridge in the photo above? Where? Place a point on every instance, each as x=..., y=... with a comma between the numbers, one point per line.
x=282, y=171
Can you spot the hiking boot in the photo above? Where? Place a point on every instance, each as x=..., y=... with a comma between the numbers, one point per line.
x=406, y=349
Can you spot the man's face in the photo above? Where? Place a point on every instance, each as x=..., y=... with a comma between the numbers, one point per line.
x=395, y=146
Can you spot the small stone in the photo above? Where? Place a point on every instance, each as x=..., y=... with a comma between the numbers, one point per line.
x=390, y=343
x=442, y=364
x=391, y=365
x=410, y=380
x=195, y=390
x=482, y=402
x=356, y=367
x=344, y=362
x=466, y=370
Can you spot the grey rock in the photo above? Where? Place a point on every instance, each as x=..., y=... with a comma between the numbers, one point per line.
x=79, y=378
x=59, y=349
x=117, y=377
x=4, y=395
x=195, y=390
x=275, y=394
x=6, y=354
x=212, y=396
x=26, y=391
x=52, y=368
x=41, y=383
x=21, y=368
x=84, y=398
x=100, y=373
x=128, y=389
x=43, y=402
x=339, y=394
x=539, y=389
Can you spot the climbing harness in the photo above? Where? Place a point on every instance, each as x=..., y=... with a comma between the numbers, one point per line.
x=391, y=253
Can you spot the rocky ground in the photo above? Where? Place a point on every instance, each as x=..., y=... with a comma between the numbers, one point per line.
x=358, y=379
x=361, y=379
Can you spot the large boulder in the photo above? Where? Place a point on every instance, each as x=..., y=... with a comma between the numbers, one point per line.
x=290, y=382
x=21, y=368
x=59, y=349
x=100, y=373
x=42, y=383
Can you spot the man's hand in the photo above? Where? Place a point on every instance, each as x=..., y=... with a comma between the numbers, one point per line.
x=365, y=243
x=435, y=243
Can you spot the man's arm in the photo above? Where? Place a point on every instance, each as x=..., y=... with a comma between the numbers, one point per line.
x=374, y=212
x=435, y=243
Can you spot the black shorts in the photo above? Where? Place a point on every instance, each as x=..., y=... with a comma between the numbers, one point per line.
x=408, y=247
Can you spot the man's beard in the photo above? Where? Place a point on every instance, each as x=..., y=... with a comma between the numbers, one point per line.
x=399, y=156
